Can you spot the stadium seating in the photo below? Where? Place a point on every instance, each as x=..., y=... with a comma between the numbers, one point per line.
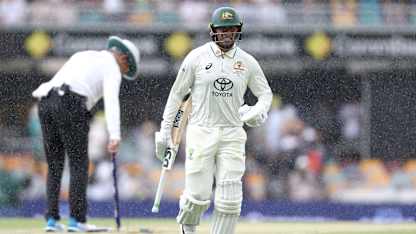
x=369, y=12
x=144, y=13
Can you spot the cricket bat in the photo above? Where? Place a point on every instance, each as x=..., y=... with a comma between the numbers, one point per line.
x=178, y=126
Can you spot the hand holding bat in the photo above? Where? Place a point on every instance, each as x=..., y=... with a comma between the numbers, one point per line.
x=167, y=147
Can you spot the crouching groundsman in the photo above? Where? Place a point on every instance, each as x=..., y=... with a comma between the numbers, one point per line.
x=64, y=111
x=218, y=75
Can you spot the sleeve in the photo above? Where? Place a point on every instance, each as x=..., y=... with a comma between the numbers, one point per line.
x=184, y=81
x=260, y=88
x=111, y=91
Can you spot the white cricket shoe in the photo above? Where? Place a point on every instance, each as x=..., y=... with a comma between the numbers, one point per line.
x=75, y=226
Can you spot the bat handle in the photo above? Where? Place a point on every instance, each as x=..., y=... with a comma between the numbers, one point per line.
x=159, y=191
x=170, y=156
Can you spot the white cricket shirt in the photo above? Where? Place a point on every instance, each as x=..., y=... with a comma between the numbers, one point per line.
x=218, y=82
x=93, y=74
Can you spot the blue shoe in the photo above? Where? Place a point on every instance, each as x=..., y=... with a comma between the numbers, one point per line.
x=75, y=226
x=54, y=226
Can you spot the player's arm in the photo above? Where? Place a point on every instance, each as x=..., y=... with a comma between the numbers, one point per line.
x=111, y=90
x=256, y=115
x=180, y=88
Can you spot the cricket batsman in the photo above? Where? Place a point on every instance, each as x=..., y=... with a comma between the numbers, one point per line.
x=218, y=75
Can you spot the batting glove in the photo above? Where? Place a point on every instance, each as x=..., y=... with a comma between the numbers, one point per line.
x=251, y=116
x=162, y=142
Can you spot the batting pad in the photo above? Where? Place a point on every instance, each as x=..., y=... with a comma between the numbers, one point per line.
x=228, y=199
x=191, y=210
x=229, y=196
x=223, y=223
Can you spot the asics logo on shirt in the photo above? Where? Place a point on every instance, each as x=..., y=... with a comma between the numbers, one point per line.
x=208, y=66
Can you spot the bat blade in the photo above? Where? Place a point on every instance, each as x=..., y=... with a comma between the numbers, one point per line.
x=179, y=124
x=181, y=119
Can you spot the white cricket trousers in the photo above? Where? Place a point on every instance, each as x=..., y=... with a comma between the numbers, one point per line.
x=213, y=152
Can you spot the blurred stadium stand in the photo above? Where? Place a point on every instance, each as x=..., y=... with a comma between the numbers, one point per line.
x=341, y=129
x=195, y=13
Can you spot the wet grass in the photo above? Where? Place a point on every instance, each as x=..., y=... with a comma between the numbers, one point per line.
x=165, y=226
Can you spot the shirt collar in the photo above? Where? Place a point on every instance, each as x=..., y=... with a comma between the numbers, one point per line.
x=218, y=52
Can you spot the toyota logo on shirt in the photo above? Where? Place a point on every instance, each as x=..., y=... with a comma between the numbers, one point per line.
x=223, y=84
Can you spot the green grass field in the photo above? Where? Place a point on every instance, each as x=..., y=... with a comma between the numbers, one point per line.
x=164, y=226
